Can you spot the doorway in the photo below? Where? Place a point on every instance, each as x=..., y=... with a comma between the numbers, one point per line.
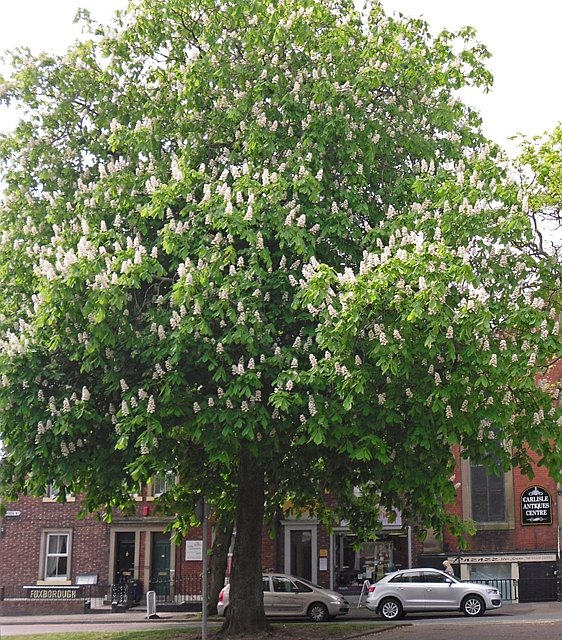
x=124, y=556
x=301, y=553
x=160, y=574
x=300, y=549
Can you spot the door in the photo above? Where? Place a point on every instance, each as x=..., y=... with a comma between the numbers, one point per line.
x=286, y=599
x=124, y=556
x=268, y=597
x=160, y=581
x=409, y=589
x=440, y=591
x=301, y=553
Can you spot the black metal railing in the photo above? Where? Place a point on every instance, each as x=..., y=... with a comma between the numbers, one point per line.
x=525, y=589
x=508, y=588
x=125, y=594
x=177, y=590
x=95, y=595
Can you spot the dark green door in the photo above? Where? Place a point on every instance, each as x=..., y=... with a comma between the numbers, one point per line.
x=161, y=564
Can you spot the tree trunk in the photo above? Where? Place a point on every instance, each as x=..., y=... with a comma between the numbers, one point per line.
x=245, y=612
x=218, y=560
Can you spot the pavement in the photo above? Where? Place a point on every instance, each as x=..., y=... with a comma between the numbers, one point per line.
x=526, y=611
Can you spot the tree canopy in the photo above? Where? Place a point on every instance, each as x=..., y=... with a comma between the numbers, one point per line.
x=540, y=166
x=264, y=246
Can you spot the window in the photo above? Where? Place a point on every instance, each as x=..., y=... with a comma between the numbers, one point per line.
x=488, y=495
x=282, y=585
x=407, y=577
x=160, y=484
x=487, y=499
x=303, y=588
x=52, y=493
x=436, y=577
x=57, y=556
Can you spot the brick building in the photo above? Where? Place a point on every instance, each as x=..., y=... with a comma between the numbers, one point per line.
x=518, y=523
x=517, y=540
x=42, y=544
x=45, y=550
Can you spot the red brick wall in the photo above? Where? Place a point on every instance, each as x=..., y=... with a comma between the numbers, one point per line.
x=522, y=537
x=20, y=541
x=40, y=607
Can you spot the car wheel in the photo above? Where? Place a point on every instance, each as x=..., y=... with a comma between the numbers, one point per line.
x=391, y=609
x=318, y=612
x=473, y=606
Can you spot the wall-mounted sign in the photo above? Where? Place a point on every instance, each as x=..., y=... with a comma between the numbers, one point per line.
x=508, y=557
x=194, y=549
x=51, y=593
x=88, y=578
x=12, y=514
x=536, y=506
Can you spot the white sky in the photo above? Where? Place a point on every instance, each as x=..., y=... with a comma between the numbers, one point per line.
x=523, y=38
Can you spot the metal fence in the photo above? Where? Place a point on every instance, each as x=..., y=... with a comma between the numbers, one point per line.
x=525, y=589
x=178, y=590
x=125, y=594
x=508, y=588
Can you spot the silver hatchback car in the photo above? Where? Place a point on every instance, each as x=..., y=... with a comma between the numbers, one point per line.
x=289, y=596
x=429, y=590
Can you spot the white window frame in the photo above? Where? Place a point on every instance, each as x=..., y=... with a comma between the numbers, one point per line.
x=52, y=492
x=168, y=479
x=44, y=551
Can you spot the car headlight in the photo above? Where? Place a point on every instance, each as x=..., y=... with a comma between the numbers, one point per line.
x=493, y=591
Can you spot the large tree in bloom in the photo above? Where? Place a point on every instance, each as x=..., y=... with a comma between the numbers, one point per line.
x=263, y=246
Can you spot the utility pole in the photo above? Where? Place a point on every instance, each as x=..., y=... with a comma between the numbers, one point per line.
x=202, y=513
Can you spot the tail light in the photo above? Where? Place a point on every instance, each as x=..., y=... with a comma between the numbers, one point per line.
x=221, y=595
x=372, y=588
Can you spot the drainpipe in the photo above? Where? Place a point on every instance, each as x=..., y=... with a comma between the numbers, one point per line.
x=558, y=559
x=409, y=547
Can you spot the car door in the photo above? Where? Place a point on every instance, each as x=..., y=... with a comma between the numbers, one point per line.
x=304, y=597
x=441, y=591
x=409, y=589
x=268, y=597
x=286, y=600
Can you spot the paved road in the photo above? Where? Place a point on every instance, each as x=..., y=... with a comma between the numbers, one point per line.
x=512, y=622
x=484, y=629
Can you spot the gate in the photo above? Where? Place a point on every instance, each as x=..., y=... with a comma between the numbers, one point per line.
x=537, y=581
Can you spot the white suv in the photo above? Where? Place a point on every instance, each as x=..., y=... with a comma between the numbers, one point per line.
x=429, y=590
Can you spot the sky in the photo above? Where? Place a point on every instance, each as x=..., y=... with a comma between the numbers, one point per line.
x=523, y=38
